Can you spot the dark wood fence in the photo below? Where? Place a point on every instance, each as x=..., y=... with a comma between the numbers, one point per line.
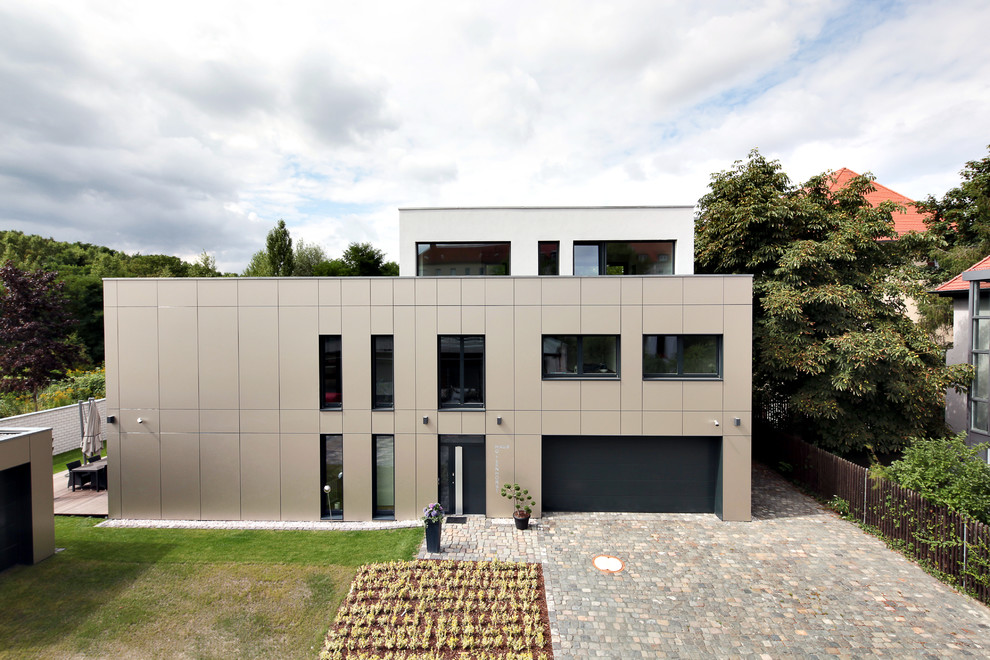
x=940, y=539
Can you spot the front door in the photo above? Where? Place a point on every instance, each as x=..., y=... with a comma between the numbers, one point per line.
x=462, y=474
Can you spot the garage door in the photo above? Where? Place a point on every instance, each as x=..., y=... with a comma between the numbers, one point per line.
x=645, y=474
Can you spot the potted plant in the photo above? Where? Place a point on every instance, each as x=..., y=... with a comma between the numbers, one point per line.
x=433, y=517
x=522, y=503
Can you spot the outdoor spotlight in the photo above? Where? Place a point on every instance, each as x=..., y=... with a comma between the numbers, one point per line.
x=426, y=419
x=716, y=422
x=111, y=419
x=736, y=421
x=140, y=420
x=498, y=420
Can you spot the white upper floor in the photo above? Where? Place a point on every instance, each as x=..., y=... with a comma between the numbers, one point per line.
x=527, y=241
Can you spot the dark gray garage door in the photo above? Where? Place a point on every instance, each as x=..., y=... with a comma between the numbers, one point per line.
x=646, y=474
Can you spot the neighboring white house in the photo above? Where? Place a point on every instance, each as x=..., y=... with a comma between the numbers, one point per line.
x=526, y=241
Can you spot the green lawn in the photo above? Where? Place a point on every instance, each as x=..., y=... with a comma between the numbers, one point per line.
x=189, y=593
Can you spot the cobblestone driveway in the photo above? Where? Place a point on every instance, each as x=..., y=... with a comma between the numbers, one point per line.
x=796, y=582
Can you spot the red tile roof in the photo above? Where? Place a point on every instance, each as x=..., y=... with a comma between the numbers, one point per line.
x=958, y=285
x=909, y=220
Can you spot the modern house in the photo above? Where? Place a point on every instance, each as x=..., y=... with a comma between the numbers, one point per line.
x=27, y=509
x=970, y=293
x=569, y=350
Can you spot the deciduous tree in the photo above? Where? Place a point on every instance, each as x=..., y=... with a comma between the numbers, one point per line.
x=831, y=337
x=278, y=249
x=35, y=345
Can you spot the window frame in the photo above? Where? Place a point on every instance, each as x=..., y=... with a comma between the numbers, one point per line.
x=421, y=268
x=680, y=375
x=539, y=257
x=975, y=317
x=603, y=255
x=375, y=372
x=461, y=371
x=376, y=512
x=581, y=375
x=338, y=404
x=330, y=513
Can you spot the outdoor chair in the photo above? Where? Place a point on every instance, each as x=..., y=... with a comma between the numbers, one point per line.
x=77, y=478
x=93, y=458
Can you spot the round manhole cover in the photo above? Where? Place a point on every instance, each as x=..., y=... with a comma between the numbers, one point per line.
x=608, y=564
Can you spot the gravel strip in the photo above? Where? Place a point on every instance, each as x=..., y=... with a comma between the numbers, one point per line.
x=322, y=525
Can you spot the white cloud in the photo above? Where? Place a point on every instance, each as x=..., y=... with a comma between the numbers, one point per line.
x=187, y=126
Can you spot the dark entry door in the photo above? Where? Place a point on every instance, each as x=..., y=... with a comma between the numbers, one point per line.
x=630, y=473
x=462, y=474
x=16, y=546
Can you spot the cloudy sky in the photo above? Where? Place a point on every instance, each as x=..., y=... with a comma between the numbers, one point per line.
x=179, y=127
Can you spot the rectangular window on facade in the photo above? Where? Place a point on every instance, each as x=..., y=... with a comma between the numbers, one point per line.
x=383, y=488
x=461, y=371
x=382, y=372
x=979, y=390
x=623, y=258
x=549, y=257
x=580, y=356
x=456, y=259
x=330, y=372
x=682, y=356
x=332, y=477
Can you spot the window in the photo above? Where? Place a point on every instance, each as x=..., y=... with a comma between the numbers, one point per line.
x=979, y=391
x=332, y=478
x=330, y=372
x=549, y=262
x=383, y=478
x=382, y=373
x=461, y=376
x=463, y=258
x=682, y=356
x=624, y=258
x=580, y=356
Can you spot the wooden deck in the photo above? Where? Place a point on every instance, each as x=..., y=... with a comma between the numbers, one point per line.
x=84, y=502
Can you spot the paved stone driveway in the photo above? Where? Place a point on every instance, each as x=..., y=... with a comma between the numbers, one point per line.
x=796, y=582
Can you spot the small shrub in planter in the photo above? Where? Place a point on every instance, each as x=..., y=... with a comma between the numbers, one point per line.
x=522, y=502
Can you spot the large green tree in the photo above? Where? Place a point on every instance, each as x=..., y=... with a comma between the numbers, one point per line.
x=35, y=342
x=278, y=249
x=831, y=338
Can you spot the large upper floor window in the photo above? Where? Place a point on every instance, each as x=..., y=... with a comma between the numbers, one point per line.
x=461, y=373
x=979, y=390
x=549, y=257
x=580, y=356
x=623, y=257
x=332, y=395
x=382, y=372
x=456, y=259
x=682, y=356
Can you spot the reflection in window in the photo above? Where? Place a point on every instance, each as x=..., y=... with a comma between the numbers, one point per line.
x=624, y=258
x=382, y=372
x=979, y=390
x=332, y=478
x=585, y=356
x=549, y=256
x=462, y=258
x=330, y=372
x=461, y=373
x=383, y=487
x=682, y=356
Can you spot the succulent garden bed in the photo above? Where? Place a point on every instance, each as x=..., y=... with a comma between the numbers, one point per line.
x=443, y=610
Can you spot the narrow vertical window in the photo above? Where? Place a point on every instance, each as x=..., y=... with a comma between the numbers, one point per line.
x=587, y=259
x=549, y=258
x=383, y=487
x=330, y=372
x=332, y=477
x=979, y=390
x=382, y=372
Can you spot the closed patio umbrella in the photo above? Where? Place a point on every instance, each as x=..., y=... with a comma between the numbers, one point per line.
x=92, y=442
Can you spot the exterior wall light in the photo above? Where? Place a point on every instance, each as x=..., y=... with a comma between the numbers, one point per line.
x=426, y=419
x=498, y=420
x=736, y=421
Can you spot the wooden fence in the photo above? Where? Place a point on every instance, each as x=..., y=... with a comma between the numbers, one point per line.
x=939, y=538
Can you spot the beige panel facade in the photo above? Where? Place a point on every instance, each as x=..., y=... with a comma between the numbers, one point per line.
x=227, y=379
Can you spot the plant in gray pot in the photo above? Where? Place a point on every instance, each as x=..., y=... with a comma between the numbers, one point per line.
x=522, y=503
x=433, y=517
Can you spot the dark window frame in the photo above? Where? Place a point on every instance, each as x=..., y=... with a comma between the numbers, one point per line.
x=327, y=512
x=603, y=255
x=375, y=405
x=420, y=268
x=338, y=402
x=680, y=375
x=461, y=404
x=977, y=315
x=539, y=258
x=580, y=360
x=376, y=512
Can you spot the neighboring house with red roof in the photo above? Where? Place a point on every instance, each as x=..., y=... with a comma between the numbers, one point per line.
x=910, y=219
x=970, y=293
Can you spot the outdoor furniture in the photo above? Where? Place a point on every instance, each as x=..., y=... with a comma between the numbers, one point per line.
x=78, y=475
x=94, y=473
x=93, y=458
